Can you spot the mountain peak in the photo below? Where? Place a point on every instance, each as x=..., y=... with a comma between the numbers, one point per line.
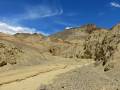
x=89, y=27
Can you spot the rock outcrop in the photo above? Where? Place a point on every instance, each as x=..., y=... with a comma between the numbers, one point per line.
x=89, y=28
x=9, y=53
x=101, y=46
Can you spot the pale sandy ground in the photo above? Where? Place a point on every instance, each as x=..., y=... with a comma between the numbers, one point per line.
x=30, y=78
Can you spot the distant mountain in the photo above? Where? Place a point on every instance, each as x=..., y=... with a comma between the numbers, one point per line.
x=29, y=37
x=25, y=35
x=77, y=33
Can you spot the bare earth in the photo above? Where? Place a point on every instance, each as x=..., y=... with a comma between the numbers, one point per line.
x=30, y=78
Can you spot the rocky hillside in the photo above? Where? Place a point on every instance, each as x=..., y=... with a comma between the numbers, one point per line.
x=78, y=33
x=29, y=37
x=116, y=27
x=30, y=60
x=87, y=41
x=98, y=44
x=15, y=52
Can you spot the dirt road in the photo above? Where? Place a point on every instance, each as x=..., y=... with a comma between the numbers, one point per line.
x=30, y=78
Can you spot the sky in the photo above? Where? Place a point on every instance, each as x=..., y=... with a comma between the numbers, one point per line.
x=51, y=16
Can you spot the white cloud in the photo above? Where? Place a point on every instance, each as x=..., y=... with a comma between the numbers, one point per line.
x=41, y=11
x=114, y=4
x=68, y=27
x=45, y=9
x=33, y=12
x=9, y=29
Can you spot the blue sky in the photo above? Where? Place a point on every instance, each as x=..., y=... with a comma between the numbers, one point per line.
x=50, y=16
